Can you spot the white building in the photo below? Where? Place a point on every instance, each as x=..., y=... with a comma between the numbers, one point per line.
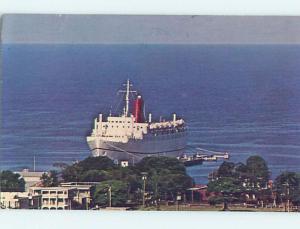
x=19, y=200
x=54, y=197
x=82, y=192
x=67, y=196
x=31, y=178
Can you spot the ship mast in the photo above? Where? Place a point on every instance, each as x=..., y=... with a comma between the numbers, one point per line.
x=128, y=85
x=127, y=97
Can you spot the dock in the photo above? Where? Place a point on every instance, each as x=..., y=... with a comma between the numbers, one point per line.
x=200, y=157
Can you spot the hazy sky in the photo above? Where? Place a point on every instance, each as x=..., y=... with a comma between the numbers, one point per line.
x=150, y=29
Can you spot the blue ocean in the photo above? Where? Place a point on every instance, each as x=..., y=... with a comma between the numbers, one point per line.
x=242, y=99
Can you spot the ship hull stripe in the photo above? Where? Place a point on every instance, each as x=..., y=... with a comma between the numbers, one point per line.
x=133, y=152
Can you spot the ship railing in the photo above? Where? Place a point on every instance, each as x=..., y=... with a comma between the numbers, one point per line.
x=165, y=127
x=167, y=124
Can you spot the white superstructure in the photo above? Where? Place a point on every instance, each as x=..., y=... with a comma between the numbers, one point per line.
x=130, y=137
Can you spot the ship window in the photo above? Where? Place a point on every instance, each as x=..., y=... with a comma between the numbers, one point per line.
x=128, y=121
x=117, y=126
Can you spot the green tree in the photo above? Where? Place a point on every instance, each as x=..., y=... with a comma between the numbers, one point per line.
x=241, y=170
x=94, y=175
x=45, y=179
x=171, y=184
x=165, y=177
x=118, y=193
x=72, y=173
x=161, y=163
x=11, y=182
x=229, y=188
x=258, y=171
x=226, y=169
x=287, y=186
x=88, y=169
x=51, y=179
x=96, y=163
x=251, y=177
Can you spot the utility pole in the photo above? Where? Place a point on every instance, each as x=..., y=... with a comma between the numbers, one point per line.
x=34, y=163
x=178, y=198
x=109, y=196
x=192, y=196
x=144, y=177
x=288, y=197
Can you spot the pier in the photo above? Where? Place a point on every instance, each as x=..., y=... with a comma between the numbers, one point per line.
x=202, y=156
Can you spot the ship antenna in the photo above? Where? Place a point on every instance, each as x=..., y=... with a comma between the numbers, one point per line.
x=128, y=85
x=127, y=97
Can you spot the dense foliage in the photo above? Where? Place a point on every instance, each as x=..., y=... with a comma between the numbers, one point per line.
x=91, y=169
x=232, y=181
x=230, y=189
x=11, y=182
x=165, y=178
x=116, y=188
x=287, y=186
x=50, y=180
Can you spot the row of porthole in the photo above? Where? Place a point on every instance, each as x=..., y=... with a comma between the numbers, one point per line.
x=123, y=127
x=118, y=122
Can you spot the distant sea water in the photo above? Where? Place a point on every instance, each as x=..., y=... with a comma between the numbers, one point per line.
x=243, y=99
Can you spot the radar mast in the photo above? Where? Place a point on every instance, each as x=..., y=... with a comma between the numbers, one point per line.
x=127, y=92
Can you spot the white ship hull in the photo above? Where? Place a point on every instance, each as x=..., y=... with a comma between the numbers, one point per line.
x=134, y=150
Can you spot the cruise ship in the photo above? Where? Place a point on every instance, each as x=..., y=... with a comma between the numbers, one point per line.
x=130, y=137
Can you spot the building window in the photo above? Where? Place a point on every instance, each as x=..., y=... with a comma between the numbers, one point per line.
x=45, y=201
